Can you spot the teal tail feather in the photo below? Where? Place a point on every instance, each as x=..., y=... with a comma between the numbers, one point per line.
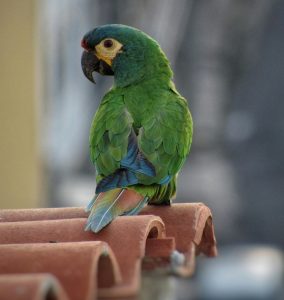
x=91, y=203
x=137, y=209
x=106, y=206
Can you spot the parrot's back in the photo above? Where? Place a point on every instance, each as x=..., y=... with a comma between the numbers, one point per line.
x=139, y=140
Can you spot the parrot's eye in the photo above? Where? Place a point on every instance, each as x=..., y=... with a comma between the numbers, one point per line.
x=107, y=50
x=108, y=43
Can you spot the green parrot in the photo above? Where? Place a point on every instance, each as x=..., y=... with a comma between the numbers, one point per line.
x=142, y=131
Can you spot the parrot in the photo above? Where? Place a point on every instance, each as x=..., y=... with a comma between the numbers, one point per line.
x=142, y=130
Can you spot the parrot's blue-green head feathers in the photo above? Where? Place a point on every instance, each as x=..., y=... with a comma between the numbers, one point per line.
x=125, y=52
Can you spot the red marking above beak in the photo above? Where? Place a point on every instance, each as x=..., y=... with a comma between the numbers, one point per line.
x=84, y=44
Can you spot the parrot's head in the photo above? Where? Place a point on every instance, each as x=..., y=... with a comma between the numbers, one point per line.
x=125, y=52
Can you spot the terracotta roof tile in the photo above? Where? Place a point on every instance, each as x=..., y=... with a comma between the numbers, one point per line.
x=78, y=266
x=53, y=240
x=191, y=226
x=31, y=287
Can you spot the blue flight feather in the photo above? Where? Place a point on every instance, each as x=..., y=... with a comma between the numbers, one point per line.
x=165, y=180
x=119, y=179
x=135, y=160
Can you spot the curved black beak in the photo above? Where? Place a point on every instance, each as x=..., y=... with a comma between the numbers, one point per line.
x=90, y=64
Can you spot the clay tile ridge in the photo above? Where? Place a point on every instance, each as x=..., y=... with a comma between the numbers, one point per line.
x=107, y=264
x=31, y=287
x=79, y=267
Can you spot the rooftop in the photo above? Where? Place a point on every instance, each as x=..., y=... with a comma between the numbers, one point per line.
x=46, y=254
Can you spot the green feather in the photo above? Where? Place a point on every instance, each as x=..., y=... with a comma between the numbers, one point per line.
x=115, y=152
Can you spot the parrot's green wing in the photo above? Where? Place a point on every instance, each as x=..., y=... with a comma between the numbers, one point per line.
x=109, y=134
x=165, y=138
x=114, y=146
x=145, y=158
x=153, y=155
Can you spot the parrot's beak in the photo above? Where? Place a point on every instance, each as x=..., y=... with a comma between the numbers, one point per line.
x=91, y=63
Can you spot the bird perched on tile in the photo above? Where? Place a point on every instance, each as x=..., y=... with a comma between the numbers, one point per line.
x=142, y=131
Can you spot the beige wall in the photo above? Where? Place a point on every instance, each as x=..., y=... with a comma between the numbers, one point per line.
x=19, y=172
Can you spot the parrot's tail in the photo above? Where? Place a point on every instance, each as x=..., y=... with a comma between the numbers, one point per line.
x=106, y=206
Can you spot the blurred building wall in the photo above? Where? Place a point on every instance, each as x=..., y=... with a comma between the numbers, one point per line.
x=19, y=175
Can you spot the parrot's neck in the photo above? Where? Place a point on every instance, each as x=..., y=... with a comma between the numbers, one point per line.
x=150, y=66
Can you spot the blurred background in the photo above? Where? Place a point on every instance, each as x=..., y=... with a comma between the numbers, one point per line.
x=228, y=61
